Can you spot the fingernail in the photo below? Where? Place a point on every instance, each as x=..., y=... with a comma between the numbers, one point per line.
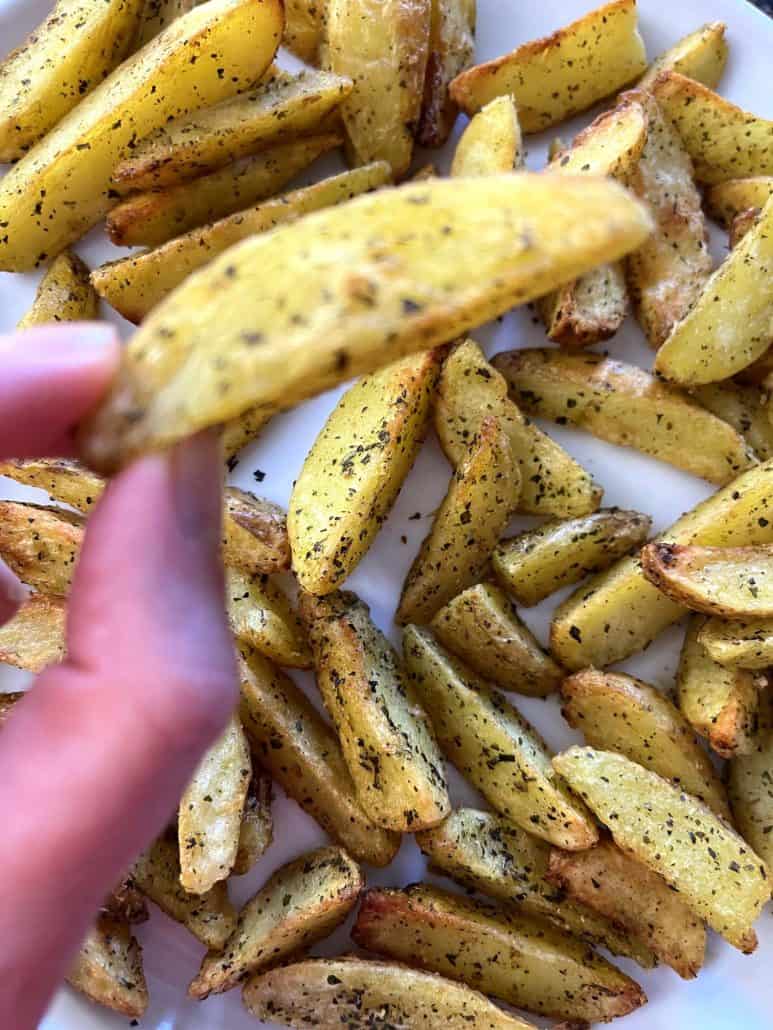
x=70, y=343
x=197, y=483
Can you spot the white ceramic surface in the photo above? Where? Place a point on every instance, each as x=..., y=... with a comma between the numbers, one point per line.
x=732, y=990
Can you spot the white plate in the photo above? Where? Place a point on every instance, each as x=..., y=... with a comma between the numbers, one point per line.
x=732, y=989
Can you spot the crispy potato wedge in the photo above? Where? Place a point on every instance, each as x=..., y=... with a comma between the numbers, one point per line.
x=362, y=318
x=158, y=15
x=302, y=754
x=624, y=405
x=536, y=563
x=484, y=852
x=451, y=51
x=615, y=712
x=552, y=482
x=66, y=57
x=559, y=76
x=701, y=56
x=108, y=969
x=385, y=735
x=739, y=643
x=238, y=35
x=750, y=787
x=744, y=408
x=482, y=627
x=635, y=899
x=7, y=704
x=356, y=468
x=262, y=615
x=304, y=28
x=40, y=544
x=524, y=962
x=491, y=143
x=65, y=294
x=362, y=994
x=257, y=830
x=481, y=497
x=727, y=200
x=34, y=638
x=383, y=48
x=675, y=835
x=490, y=743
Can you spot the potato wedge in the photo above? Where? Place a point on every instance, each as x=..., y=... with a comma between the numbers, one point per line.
x=257, y=830
x=34, y=638
x=262, y=615
x=210, y=816
x=362, y=318
x=624, y=405
x=493, y=746
x=675, y=835
x=758, y=373
x=238, y=35
x=386, y=737
x=304, y=28
x=108, y=969
x=744, y=408
x=482, y=627
x=126, y=902
x=727, y=200
x=723, y=141
x=638, y=901
x=739, y=643
x=7, y=704
x=241, y=431
x=750, y=790
x=491, y=143
x=451, y=51
x=151, y=219
x=65, y=294
x=40, y=544
x=536, y=563
x=521, y=960
x=356, y=468
x=302, y=903
x=158, y=15
x=557, y=77
x=302, y=754
x=552, y=482
x=362, y=994
x=615, y=712
x=701, y=56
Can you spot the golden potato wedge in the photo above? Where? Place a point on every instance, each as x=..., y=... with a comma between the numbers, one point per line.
x=304, y=28
x=491, y=143
x=739, y=643
x=66, y=57
x=493, y=746
x=7, y=704
x=152, y=218
x=157, y=15
x=257, y=830
x=615, y=712
x=302, y=754
x=385, y=735
x=65, y=294
x=744, y=408
x=727, y=200
x=515, y=957
x=536, y=563
x=552, y=482
x=701, y=56
x=482, y=627
x=675, y=835
x=356, y=468
x=300, y=904
x=362, y=318
x=40, y=544
x=362, y=994
x=108, y=969
x=723, y=141
x=622, y=597
x=557, y=77
x=239, y=36
x=262, y=615
x=34, y=638
x=637, y=900
x=750, y=787
x=451, y=51
x=624, y=405
x=241, y=431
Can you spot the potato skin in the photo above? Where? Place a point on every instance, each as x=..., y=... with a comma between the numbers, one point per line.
x=65, y=294
x=257, y=830
x=725, y=201
x=451, y=51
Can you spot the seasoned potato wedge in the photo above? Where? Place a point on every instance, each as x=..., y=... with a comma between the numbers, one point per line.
x=356, y=467
x=304, y=27
x=559, y=76
x=65, y=294
x=241, y=431
x=615, y=712
x=744, y=408
x=158, y=15
x=728, y=199
x=238, y=35
x=536, y=563
x=677, y=836
x=638, y=901
x=493, y=746
x=261, y=614
x=701, y=56
x=40, y=545
x=34, y=638
x=108, y=969
x=362, y=318
x=751, y=788
x=302, y=754
x=362, y=994
x=482, y=628
x=300, y=904
x=491, y=143
x=257, y=830
x=481, y=497
x=451, y=50
x=739, y=643
x=552, y=482
x=512, y=956
x=624, y=405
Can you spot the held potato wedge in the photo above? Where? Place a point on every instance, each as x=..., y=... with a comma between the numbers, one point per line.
x=557, y=77
x=524, y=962
x=158, y=15
x=493, y=746
x=304, y=27
x=34, y=638
x=701, y=56
x=356, y=467
x=739, y=643
x=238, y=36
x=301, y=903
x=491, y=143
x=482, y=628
x=728, y=199
x=451, y=50
x=624, y=405
x=65, y=294
x=256, y=833
x=744, y=408
x=638, y=901
x=677, y=836
x=385, y=735
x=552, y=482
x=261, y=614
x=363, y=994
x=302, y=754
x=253, y=312
x=536, y=563
x=108, y=969
x=751, y=788
x=481, y=497
x=615, y=712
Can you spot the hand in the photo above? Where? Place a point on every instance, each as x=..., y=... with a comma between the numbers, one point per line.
x=94, y=759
